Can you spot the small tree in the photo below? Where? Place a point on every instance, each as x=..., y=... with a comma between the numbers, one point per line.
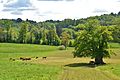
x=2, y=35
x=44, y=40
x=65, y=38
x=93, y=42
x=22, y=32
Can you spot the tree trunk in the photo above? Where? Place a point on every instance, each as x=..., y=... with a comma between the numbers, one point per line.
x=99, y=60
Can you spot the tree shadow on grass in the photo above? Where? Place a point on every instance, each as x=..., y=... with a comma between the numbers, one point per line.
x=82, y=65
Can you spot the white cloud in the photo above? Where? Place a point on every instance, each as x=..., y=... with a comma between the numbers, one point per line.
x=40, y=10
x=16, y=13
x=18, y=4
x=100, y=11
x=55, y=0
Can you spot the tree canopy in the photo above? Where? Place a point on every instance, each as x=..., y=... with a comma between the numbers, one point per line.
x=93, y=42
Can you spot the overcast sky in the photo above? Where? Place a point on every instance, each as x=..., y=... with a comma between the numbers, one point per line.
x=41, y=10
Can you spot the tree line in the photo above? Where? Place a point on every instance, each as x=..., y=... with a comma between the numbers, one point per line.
x=56, y=32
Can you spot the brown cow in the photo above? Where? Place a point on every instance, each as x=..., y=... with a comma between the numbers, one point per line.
x=21, y=58
x=36, y=57
x=44, y=57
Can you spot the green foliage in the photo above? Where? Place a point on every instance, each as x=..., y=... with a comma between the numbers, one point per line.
x=71, y=32
x=52, y=38
x=116, y=30
x=49, y=32
x=93, y=42
x=65, y=39
x=23, y=32
x=79, y=27
x=2, y=38
x=71, y=43
x=37, y=35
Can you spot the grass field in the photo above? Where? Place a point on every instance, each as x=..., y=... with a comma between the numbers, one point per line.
x=59, y=65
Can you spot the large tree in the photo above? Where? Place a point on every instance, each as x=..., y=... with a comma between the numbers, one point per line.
x=93, y=42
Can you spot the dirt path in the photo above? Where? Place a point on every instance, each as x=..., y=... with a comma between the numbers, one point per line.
x=86, y=74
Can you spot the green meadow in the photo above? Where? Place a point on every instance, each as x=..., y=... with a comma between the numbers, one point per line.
x=58, y=65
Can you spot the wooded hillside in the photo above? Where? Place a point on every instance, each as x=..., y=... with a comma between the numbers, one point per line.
x=52, y=32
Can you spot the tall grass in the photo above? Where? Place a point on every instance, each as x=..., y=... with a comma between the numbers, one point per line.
x=27, y=71
x=18, y=70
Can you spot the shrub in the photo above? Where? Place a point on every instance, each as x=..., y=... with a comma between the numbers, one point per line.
x=62, y=47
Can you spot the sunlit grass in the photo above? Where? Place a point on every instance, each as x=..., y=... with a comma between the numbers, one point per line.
x=59, y=65
x=22, y=70
x=25, y=48
x=27, y=71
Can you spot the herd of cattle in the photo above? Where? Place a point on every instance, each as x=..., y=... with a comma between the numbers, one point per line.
x=25, y=58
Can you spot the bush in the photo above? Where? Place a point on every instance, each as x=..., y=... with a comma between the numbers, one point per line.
x=62, y=47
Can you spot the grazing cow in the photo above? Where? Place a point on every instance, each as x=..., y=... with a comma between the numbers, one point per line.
x=36, y=57
x=12, y=59
x=28, y=58
x=44, y=57
x=21, y=58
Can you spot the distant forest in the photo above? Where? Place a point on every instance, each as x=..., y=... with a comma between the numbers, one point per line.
x=52, y=32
